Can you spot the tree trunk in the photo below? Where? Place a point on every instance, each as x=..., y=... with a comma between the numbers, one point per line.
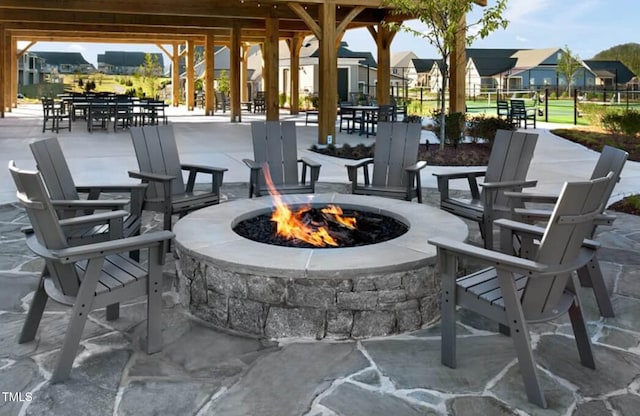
x=443, y=118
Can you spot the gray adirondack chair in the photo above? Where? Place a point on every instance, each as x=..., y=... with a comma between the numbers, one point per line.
x=160, y=168
x=396, y=169
x=275, y=146
x=87, y=277
x=66, y=199
x=514, y=291
x=509, y=162
x=611, y=160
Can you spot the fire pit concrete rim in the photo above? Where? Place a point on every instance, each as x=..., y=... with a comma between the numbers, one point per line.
x=208, y=234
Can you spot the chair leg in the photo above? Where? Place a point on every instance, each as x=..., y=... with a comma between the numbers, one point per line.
x=448, y=310
x=154, y=301
x=113, y=312
x=591, y=276
x=580, y=332
x=521, y=341
x=38, y=303
x=79, y=313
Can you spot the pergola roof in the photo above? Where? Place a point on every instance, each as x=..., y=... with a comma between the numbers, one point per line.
x=164, y=20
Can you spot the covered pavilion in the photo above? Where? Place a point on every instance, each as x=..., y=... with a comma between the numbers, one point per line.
x=233, y=23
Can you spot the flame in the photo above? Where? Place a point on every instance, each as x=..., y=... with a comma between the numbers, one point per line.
x=290, y=224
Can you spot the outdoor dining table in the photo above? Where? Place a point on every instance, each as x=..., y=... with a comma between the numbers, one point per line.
x=368, y=114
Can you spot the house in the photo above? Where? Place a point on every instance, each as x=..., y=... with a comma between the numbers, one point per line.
x=126, y=63
x=63, y=63
x=30, y=69
x=427, y=74
x=403, y=68
x=357, y=71
x=611, y=73
x=513, y=70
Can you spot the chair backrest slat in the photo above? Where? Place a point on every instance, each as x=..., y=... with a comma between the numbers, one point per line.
x=510, y=159
x=396, y=148
x=32, y=195
x=562, y=242
x=54, y=169
x=157, y=152
x=275, y=143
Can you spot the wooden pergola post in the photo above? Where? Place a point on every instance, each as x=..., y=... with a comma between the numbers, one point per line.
x=244, y=74
x=210, y=62
x=457, y=72
x=175, y=75
x=190, y=85
x=234, y=76
x=3, y=49
x=6, y=71
x=383, y=37
x=328, y=73
x=271, y=68
x=295, y=44
x=14, y=73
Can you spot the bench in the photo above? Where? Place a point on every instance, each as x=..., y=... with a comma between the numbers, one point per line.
x=312, y=113
x=247, y=105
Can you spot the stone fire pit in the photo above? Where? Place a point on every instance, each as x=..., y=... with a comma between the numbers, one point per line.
x=275, y=291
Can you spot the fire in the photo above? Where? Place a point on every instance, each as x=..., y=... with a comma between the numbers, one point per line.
x=291, y=225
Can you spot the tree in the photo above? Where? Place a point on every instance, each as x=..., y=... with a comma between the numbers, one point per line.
x=149, y=73
x=223, y=82
x=445, y=19
x=568, y=66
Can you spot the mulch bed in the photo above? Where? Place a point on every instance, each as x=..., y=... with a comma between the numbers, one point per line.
x=466, y=154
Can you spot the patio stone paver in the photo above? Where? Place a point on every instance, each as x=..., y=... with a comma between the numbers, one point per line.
x=205, y=371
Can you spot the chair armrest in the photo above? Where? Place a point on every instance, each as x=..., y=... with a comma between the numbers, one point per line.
x=359, y=163
x=92, y=219
x=217, y=175
x=488, y=257
x=314, y=167
x=147, y=176
x=106, y=248
x=91, y=189
x=460, y=175
x=202, y=168
x=309, y=162
x=470, y=176
x=352, y=172
x=535, y=231
x=533, y=197
x=252, y=164
x=421, y=164
x=91, y=204
x=508, y=184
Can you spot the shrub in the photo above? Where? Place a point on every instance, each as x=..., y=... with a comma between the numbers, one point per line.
x=412, y=118
x=626, y=122
x=594, y=113
x=483, y=127
x=453, y=127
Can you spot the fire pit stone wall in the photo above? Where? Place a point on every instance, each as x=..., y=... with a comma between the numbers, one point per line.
x=279, y=292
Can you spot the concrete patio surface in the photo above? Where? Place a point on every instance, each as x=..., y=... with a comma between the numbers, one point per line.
x=205, y=371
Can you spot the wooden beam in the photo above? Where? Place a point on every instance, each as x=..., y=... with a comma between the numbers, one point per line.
x=175, y=75
x=244, y=72
x=234, y=76
x=25, y=49
x=13, y=56
x=3, y=49
x=383, y=37
x=328, y=73
x=347, y=20
x=457, y=72
x=271, y=68
x=307, y=19
x=163, y=49
x=210, y=73
x=190, y=85
x=295, y=44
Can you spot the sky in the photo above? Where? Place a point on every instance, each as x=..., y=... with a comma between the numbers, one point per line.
x=585, y=26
